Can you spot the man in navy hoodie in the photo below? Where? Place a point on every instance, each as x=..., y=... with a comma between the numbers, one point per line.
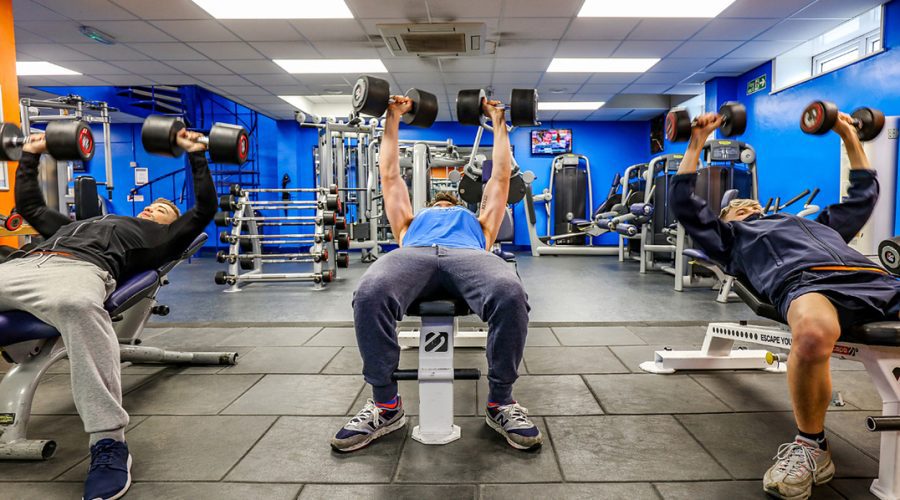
x=806, y=269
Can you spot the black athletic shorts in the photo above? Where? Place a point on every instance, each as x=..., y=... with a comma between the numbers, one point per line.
x=859, y=296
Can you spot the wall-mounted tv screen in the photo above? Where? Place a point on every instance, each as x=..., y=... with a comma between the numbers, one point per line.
x=551, y=141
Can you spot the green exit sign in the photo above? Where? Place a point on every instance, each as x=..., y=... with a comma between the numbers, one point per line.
x=757, y=84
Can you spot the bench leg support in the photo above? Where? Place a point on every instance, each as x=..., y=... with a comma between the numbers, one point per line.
x=436, y=382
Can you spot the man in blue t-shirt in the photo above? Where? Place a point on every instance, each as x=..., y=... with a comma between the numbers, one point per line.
x=443, y=247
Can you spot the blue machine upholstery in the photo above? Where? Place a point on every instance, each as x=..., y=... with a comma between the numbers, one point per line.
x=19, y=326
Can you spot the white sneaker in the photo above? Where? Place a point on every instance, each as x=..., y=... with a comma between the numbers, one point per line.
x=799, y=465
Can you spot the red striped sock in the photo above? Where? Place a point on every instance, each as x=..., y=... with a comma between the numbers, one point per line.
x=390, y=405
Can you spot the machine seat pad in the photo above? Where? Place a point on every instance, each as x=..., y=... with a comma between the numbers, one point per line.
x=439, y=305
x=20, y=326
x=131, y=291
x=696, y=253
x=580, y=222
x=883, y=333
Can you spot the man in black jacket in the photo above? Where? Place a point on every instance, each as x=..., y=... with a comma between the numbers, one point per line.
x=65, y=280
x=817, y=282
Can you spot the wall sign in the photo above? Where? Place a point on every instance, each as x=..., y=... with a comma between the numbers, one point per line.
x=757, y=84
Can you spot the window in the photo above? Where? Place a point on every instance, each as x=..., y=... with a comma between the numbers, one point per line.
x=842, y=45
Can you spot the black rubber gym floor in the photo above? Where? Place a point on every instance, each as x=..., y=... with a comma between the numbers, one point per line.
x=261, y=429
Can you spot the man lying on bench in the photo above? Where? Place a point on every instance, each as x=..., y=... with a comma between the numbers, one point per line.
x=443, y=248
x=64, y=281
x=817, y=282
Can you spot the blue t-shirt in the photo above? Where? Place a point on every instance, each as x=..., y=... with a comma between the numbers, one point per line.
x=451, y=227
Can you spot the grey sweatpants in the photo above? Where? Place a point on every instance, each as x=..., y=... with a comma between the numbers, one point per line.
x=489, y=285
x=69, y=294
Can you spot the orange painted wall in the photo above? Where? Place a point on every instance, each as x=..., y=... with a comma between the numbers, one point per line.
x=10, y=88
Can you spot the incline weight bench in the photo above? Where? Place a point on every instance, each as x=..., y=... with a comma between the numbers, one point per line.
x=436, y=373
x=32, y=346
x=875, y=345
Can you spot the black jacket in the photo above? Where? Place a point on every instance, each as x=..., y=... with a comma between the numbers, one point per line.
x=121, y=245
x=768, y=250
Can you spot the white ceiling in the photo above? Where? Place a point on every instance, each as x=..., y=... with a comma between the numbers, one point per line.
x=175, y=42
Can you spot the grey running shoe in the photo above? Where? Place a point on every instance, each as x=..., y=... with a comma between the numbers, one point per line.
x=799, y=465
x=512, y=422
x=369, y=424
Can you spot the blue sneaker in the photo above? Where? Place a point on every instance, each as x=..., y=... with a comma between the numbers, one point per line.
x=109, y=476
x=512, y=422
x=369, y=424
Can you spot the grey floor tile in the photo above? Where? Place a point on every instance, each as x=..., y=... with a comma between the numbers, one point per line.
x=388, y=491
x=297, y=449
x=284, y=360
x=755, y=391
x=347, y=362
x=173, y=394
x=846, y=365
x=647, y=393
x=340, y=337
x=72, y=448
x=54, y=394
x=853, y=488
x=298, y=395
x=570, y=491
x=744, y=443
x=732, y=490
x=217, y=491
x=857, y=389
x=850, y=425
x=670, y=335
x=270, y=337
x=481, y=456
x=633, y=355
x=574, y=360
x=629, y=448
x=596, y=335
x=548, y=395
x=464, y=397
x=182, y=448
x=190, y=337
x=540, y=337
x=43, y=491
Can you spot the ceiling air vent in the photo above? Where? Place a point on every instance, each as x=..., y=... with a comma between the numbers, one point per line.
x=434, y=39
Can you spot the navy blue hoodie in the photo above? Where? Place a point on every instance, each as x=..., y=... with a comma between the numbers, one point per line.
x=768, y=250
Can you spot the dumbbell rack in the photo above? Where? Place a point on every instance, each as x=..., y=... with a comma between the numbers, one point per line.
x=324, y=271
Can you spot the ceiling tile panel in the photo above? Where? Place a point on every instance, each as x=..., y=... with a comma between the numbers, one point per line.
x=526, y=80
x=565, y=78
x=799, y=30
x=838, y=9
x=146, y=67
x=467, y=64
x=28, y=10
x=761, y=50
x=55, y=31
x=252, y=67
x=647, y=88
x=52, y=52
x=227, y=50
x=329, y=29
x=550, y=28
x=472, y=8
x=197, y=31
x=164, y=9
x=286, y=50
x=704, y=49
x=602, y=88
x=687, y=89
x=205, y=67
x=642, y=114
x=670, y=78
x=521, y=64
x=129, y=79
x=295, y=89
x=541, y=8
x=222, y=79
x=347, y=50
x=584, y=48
x=765, y=8
x=95, y=68
x=367, y=9
x=734, y=65
x=667, y=29
x=267, y=30
x=676, y=64
x=108, y=52
x=526, y=48
x=88, y=9
x=269, y=80
x=600, y=29
x=631, y=48
x=734, y=29
x=168, y=51
x=132, y=31
x=613, y=77
x=23, y=36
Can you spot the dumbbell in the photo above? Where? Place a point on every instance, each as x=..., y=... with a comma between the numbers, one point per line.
x=66, y=140
x=522, y=107
x=679, y=123
x=14, y=221
x=372, y=96
x=821, y=116
x=343, y=241
x=226, y=143
x=343, y=260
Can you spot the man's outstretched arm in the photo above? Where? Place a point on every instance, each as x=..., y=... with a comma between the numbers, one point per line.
x=29, y=199
x=393, y=188
x=496, y=192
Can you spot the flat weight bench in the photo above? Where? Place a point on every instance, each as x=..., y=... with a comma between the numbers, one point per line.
x=32, y=346
x=875, y=345
x=436, y=373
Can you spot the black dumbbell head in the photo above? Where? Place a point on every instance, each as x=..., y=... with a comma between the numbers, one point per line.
x=678, y=125
x=70, y=140
x=869, y=123
x=468, y=106
x=10, y=142
x=221, y=278
x=343, y=260
x=247, y=263
x=228, y=144
x=370, y=96
x=819, y=117
x=424, y=110
x=734, y=119
x=220, y=256
x=523, y=104
x=158, y=135
x=227, y=203
x=343, y=241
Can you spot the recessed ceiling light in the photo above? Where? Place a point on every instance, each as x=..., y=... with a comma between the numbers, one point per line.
x=653, y=8
x=334, y=91
x=41, y=68
x=570, y=105
x=557, y=91
x=276, y=9
x=601, y=65
x=357, y=66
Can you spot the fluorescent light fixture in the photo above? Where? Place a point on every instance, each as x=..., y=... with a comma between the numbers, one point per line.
x=309, y=66
x=276, y=9
x=601, y=65
x=41, y=68
x=569, y=106
x=298, y=101
x=653, y=8
x=308, y=102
